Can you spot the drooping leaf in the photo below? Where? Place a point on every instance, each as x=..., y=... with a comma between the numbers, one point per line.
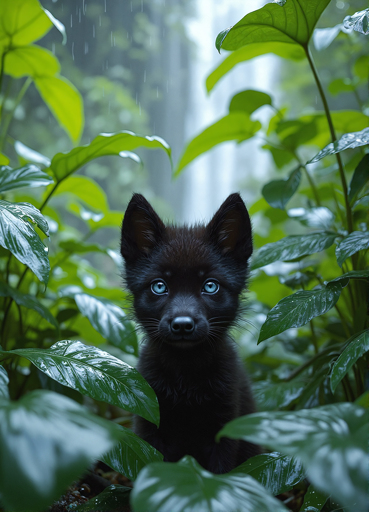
x=316, y=217
x=96, y=374
x=249, y=101
x=290, y=22
x=353, y=274
x=351, y=244
x=186, y=487
x=357, y=346
x=358, y=21
x=57, y=24
x=4, y=381
x=292, y=247
x=18, y=236
x=47, y=440
x=235, y=126
x=331, y=442
x=32, y=61
x=278, y=192
x=314, y=500
x=359, y=178
x=298, y=309
x=131, y=454
x=30, y=155
x=347, y=141
x=112, y=499
x=27, y=176
x=64, y=164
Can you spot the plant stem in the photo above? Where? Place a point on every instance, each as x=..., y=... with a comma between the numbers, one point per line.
x=19, y=98
x=312, y=185
x=311, y=361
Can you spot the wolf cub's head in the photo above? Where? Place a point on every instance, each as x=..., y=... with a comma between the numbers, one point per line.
x=186, y=281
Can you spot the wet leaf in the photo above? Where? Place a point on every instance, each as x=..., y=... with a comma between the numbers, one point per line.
x=87, y=190
x=292, y=247
x=32, y=61
x=19, y=237
x=111, y=499
x=347, y=141
x=27, y=176
x=316, y=217
x=96, y=374
x=359, y=179
x=4, y=382
x=47, y=440
x=313, y=500
x=57, y=24
x=271, y=396
x=357, y=346
x=290, y=22
x=358, y=21
x=30, y=155
x=278, y=192
x=249, y=101
x=331, y=442
x=298, y=309
x=362, y=202
x=323, y=37
x=186, y=487
x=353, y=274
x=131, y=454
x=351, y=244
x=236, y=126
x=23, y=22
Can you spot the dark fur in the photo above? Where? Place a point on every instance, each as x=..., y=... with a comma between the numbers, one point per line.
x=197, y=376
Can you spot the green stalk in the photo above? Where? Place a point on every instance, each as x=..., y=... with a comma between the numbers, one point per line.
x=9, y=119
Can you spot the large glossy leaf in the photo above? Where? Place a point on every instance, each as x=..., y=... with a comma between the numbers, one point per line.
x=64, y=101
x=131, y=454
x=331, y=442
x=353, y=274
x=47, y=440
x=276, y=472
x=235, y=126
x=22, y=22
x=64, y=164
x=278, y=192
x=186, y=487
x=31, y=61
x=292, y=247
x=27, y=176
x=358, y=21
x=114, y=498
x=18, y=236
x=30, y=155
x=298, y=309
x=351, y=244
x=290, y=21
x=249, y=101
x=359, y=178
x=28, y=301
x=96, y=374
x=271, y=396
x=347, y=141
x=4, y=381
x=357, y=346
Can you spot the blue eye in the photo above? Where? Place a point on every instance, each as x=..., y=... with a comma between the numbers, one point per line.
x=159, y=288
x=210, y=287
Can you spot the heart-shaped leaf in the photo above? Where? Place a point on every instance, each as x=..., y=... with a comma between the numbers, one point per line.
x=331, y=442
x=4, y=382
x=347, y=141
x=186, y=487
x=31, y=61
x=298, y=309
x=278, y=192
x=358, y=21
x=249, y=101
x=351, y=244
x=96, y=374
x=23, y=22
x=27, y=176
x=359, y=178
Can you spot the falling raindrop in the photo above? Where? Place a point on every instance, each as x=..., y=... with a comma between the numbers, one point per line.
x=139, y=108
x=93, y=30
x=86, y=47
x=100, y=21
x=157, y=92
x=73, y=50
x=105, y=6
x=136, y=98
x=71, y=20
x=131, y=6
x=145, y=76
x=111, y=38
x=79, y=15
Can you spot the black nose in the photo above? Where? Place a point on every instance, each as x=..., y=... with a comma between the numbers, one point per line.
x=182, y=325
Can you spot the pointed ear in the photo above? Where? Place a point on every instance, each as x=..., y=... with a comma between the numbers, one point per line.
x=142, y=229
x=230, y=229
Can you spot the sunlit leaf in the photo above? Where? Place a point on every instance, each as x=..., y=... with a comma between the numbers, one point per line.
x=278, y=192
x=323, y=37
x=22, y=22
x=313, y=500
x=236, y=126
x=347, y=141
x=331, y=442
x=4, y=160
x=292, y=247
x=4, y=382
x=356, y=347
x=47, y=440
x=27, y=176
x=249, y=101
x=358, y=21
x=186, y=487
x=96, y=374
x=290, y=22
x=87, y=189
x=30, y=155
x=360, y=178
x=351, y=244
x=31, y=61
x=112, y=499
x=316, y=217
x=298, y=309
x=19, y=237
x=131, y=454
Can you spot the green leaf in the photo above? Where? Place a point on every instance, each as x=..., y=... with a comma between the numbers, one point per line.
x=292, y=247
x=341, y=85
x=249, y=101
x=64, y=101
x=353, y=274
x=47, y=440
x=351, y=244
x=347, y=141
x=28, y=301
x=131, y=454
x=27, y=176
x=362, y=202
x=4, y=382
x=4, y=160
x=286, y=50
x=114, y=498
x=271, y=396
x=19, y=237
x=30, y=155
x=186, y=487
x=298, y=309
x=316, y=217
x=57, y=24
x=32, y=61
x=356, y=347
x=87, y=190
x=236, y=126
x=290, y=22
x=22, y=22
x=96, y=374
x=313, y=500
x=276, y=472
x=358, y=21
x=331, y=442
x=64, y=164
x=278, y=192
x=359, y=179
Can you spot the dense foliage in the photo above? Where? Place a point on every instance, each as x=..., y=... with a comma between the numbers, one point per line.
x=311, y=365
